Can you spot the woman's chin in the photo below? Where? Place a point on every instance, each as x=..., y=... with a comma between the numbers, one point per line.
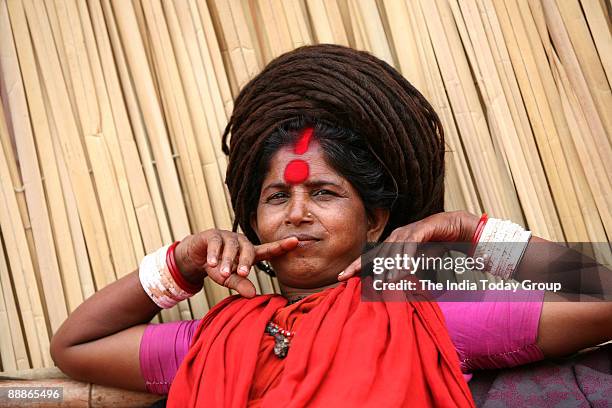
x=298, y=271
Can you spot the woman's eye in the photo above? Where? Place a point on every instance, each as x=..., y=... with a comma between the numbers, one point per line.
x=323, y=193
x=277, y=196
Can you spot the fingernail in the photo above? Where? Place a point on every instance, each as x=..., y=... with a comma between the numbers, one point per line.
x=244, y=269
x=341, y=273
x=225, y=270
x=212, y=261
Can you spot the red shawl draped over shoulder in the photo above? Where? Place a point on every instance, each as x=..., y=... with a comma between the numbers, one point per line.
x=345, y=353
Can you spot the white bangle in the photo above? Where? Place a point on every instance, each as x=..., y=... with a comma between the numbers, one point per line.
x=157, y=281
x=504, y=243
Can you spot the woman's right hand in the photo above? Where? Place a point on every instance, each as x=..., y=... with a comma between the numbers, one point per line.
x=225, y=257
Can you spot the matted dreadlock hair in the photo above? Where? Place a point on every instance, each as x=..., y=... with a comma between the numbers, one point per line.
x=352, y=90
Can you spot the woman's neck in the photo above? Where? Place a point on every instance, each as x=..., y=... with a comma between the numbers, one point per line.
x=292, y=293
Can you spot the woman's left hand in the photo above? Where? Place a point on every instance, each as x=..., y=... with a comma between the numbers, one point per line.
x=453, y=226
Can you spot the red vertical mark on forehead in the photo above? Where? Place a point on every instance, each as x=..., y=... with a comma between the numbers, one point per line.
x=297, y=170
x=302, y=145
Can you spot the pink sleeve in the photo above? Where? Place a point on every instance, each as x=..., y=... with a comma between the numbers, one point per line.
x=162, y=349
x=491, y=335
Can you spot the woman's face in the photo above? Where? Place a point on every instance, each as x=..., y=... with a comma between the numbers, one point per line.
x=324, y=212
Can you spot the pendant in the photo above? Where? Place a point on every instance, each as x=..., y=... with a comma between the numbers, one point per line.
x=281, y=343
x=281, y=346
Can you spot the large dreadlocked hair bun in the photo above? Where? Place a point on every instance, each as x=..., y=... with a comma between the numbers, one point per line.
x=354, y=90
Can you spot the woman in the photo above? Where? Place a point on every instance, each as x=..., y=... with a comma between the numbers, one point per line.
x=369, y=153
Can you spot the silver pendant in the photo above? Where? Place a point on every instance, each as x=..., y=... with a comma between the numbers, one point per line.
x=281, y=343
x=281, y=346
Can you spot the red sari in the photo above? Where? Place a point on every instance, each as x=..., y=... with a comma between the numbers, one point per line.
x=345, y=352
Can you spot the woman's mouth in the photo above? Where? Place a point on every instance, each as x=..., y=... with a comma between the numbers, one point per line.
x=305, y=240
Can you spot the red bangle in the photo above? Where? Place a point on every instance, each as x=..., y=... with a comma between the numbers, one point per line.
x=479, y=229
x=177, y=275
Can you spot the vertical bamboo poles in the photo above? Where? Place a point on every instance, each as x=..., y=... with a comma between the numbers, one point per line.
x=99, y=136
x=494, y=184
x=531, y=74
x=142, y=100
x=236, y=39
x=460, y=190
x=54, y=196
x=573, y=23
x=13, y=352
x=595, y=139
x=601, y=33
x=183, y=136
x=326, y=21
x=71, y=145
x=371, y=26
x=518, y=146
x=150, y=211
x=213, y=179
x=49, y=274
x=22, y=271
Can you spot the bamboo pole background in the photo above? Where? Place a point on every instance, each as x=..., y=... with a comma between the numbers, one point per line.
x=112, y=112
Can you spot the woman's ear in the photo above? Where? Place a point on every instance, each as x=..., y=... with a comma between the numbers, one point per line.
x=377, y=221
x=253, y=222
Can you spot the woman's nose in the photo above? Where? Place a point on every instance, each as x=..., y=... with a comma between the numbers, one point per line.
x=298, y=213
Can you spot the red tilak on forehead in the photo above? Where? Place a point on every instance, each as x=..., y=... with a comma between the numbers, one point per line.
x=297, y=170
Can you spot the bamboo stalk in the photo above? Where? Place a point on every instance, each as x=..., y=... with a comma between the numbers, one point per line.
x=497, y=193
x=6, y=42
x=211, y=52
x=213, y=179
x=22, y=271
x=326, y=21
x=211, y=78
x=183, y=136
x=597, y=145
x=460, y=181
x=155, y=237
x=51, y=229
x=71, y=145
x=518, y=147
x=94, y=118
x=404, y=42
x=579, y=130
x=209, y=84
x=574, y=24
x=236, y=42
x=153, y=119
x=294, y=12
x=121, y=168
x=372, y=28
x=600, y=31
x=13, y=353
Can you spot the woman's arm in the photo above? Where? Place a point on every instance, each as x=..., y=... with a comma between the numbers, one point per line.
x=565, y=326
x=100, y=340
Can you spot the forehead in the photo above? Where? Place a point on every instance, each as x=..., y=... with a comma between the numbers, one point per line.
x=314, y=157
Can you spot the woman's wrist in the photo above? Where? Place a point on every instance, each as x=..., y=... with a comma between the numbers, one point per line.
x=468, y=225
x=194, y=274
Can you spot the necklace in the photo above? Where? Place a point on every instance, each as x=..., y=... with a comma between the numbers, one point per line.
x=282, y=337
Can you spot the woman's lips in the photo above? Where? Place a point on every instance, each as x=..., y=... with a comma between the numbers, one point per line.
x=304, y=240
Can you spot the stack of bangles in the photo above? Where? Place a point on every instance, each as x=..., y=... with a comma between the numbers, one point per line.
x=161, y=279
x=501, y=243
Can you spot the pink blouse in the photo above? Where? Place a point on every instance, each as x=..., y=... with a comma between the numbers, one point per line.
x=486, y=335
